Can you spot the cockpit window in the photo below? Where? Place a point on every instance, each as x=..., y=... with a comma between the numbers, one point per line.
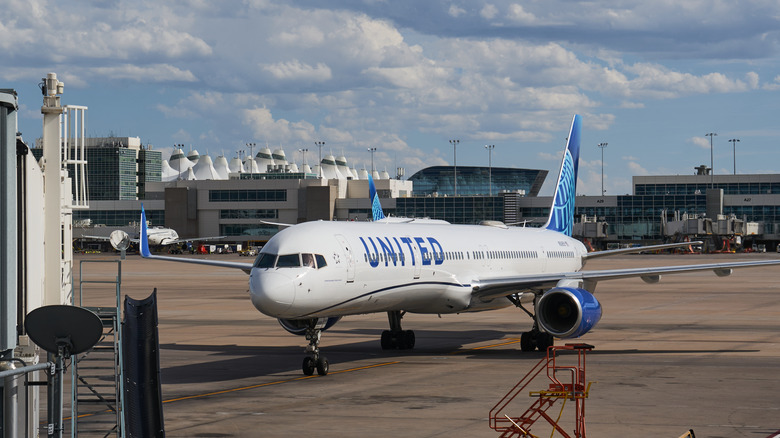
x=288, y=261
x=321, y=263
x=308, y=260
x=265, y=260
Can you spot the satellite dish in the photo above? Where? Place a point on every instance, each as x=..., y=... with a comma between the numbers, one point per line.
x=119, y=240
x=74, y=329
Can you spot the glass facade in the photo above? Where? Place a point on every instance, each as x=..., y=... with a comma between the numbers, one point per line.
x=755, y=213
x=149, y=169
x=118, y=173
x=247, y=195
x=456, y=210
x=638, y=216
x=733, y=188
x=282, y=175
x=261, y=232
x=119, y=218
x=249, y=214
x=474, y=180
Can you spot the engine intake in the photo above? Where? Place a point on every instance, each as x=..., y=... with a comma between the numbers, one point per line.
x=568, y=312
x=299, y=326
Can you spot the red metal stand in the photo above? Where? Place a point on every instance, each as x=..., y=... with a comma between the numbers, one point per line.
x=566, y=383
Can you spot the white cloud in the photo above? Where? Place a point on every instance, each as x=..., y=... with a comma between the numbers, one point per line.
x=636, y=168
x=455, y=11
x=701, y=142
x=358, y=75
x=489, y=11
x=148, y=73
x=300, y=36
x=774, y=85
x=414, y=77
x=263, y=126
x=752, y=80
x=517, y=14
x=297, y=71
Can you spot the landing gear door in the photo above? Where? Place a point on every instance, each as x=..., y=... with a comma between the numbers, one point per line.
x=349, y=257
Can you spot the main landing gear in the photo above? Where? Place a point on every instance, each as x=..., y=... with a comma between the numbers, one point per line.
x=535, y=339
x=396, y=338
x=314, y=361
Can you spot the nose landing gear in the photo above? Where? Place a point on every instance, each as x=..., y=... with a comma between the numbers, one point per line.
x=314, y=361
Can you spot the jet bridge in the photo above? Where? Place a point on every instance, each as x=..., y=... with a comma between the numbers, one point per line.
x=36, y=265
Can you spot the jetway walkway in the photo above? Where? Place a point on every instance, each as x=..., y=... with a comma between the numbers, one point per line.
x=97, y=378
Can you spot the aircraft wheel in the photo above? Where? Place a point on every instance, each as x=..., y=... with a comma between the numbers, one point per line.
x=544, y=340
x=408, y=339
x=526, y=342
x=322, y=366
x=387, y=340
x=308, y=365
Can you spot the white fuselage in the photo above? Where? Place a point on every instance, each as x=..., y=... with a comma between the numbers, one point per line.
x=162, y=236
x=414, y=267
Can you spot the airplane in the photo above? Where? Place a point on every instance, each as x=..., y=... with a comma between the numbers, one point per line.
x=312, y=274
x=157, y=236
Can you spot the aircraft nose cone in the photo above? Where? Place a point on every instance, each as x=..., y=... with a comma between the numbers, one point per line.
x=272, y=292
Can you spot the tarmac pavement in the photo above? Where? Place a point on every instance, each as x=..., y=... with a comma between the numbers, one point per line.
x=695, y=351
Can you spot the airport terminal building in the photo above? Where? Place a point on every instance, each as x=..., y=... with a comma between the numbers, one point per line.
x=237, y=207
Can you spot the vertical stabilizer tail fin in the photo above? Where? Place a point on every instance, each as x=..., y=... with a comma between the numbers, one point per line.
x=144, y=238
x=376, y=208
x=561, y=217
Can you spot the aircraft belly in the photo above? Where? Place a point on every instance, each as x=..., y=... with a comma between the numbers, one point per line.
x=364, y=297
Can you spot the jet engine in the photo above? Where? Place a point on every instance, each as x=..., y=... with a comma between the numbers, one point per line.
x=299, y=326
x=567, y=312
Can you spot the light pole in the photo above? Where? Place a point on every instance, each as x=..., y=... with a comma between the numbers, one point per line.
x=303, y=151
x=251, y=147
x=490, y=148
x=320, y=144
x=734, y=144
x=602, y=146
x=179, y=146
x=712, y=164
x=454, y=144
x=372, y=150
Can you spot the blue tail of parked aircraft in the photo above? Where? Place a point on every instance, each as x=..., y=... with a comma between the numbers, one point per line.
x=376, y=208
x=144, y=238
x=562, y=212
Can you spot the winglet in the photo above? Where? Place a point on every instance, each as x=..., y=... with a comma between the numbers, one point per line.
x=376, y=207
x=144, y=238
x=562, y=211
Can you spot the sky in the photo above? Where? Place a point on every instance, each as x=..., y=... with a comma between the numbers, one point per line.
x=650, y=79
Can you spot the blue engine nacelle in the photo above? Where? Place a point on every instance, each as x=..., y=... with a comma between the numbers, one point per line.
x=567, y=312
x=299, y=326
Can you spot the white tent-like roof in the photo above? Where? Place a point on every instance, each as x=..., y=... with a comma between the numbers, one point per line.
x=205, y=170
x=221, y=165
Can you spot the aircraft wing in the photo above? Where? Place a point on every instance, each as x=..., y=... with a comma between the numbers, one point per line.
x=145, y=253
x=488, y=288
x=106, y=238
x=637, y=249
x=194, y=239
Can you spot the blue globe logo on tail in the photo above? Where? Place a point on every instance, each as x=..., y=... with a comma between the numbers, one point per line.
x=376, y=208
x=562, y=212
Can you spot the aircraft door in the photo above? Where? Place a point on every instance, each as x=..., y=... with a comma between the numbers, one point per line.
x=349, y=256
x=417, y=259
